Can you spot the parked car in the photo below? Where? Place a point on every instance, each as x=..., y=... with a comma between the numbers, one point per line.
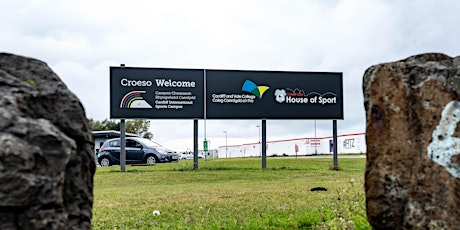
x=188, y=155
x=138, y=151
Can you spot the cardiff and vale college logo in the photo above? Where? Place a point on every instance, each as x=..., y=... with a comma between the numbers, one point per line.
x=251, y=87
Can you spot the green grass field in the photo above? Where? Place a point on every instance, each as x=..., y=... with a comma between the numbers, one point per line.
x=232, y=194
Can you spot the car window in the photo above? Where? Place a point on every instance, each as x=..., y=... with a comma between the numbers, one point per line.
x=132, y=144
x=149, y=143
x=114, y=143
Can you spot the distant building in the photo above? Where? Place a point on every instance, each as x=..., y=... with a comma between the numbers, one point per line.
x=347, y=144
x=101, y=136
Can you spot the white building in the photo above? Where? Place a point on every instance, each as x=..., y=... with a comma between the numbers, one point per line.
x=347, y=144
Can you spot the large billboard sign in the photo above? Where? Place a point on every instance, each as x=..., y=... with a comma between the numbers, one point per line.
x=156, y=93
x=224, y=94
x=273, y=95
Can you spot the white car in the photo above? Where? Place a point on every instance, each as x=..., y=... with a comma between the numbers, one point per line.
x=188, y=155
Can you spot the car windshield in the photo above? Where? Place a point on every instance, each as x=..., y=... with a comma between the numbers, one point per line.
x=148, y=143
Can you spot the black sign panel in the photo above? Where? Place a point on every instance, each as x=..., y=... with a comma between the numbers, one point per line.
x=273, y=95
x=156, y=93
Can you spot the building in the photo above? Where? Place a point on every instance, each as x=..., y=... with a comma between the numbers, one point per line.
x=347, y=144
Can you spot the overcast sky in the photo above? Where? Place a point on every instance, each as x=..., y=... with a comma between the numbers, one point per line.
x=80, y=40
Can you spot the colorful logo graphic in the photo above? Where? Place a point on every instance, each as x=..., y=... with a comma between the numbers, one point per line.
x=251, y=87
x=134, y=100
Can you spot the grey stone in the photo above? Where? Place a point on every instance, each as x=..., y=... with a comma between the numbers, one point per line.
x=46, y=160
x=412, y=111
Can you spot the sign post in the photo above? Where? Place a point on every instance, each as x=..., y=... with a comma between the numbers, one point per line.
x=123, y=141
x=195, y=144
x=334, y=131
x=264, y=144
x=122, y=145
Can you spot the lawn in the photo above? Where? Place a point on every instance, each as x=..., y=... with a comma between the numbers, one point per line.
x=232, y=194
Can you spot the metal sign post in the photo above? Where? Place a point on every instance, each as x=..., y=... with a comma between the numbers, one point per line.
x=334, y=132
x=123, y=145
x=123, y=141
x=195, y=144
x=264, y=144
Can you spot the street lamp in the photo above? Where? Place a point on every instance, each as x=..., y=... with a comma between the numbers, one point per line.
x=226, y=144
x=260, y=144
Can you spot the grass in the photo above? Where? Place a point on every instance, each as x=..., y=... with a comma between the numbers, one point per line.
x=232, y=194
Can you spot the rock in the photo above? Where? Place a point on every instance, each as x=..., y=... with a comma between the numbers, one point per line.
x=46, y=150
x=413, y=143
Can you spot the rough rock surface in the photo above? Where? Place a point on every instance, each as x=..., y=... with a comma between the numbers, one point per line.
x=46, y=160
x=412, y=178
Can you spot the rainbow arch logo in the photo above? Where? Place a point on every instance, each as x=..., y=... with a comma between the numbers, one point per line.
x=134, y=100
x=251, y=87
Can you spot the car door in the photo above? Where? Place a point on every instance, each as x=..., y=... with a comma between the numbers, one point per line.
x=114, y=149
x=134, y=152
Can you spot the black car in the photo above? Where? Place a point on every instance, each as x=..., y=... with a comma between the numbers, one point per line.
x=138, y=151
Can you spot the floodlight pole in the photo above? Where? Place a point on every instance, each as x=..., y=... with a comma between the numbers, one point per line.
x=260, y=149
x=316, y=141
x=226, y=156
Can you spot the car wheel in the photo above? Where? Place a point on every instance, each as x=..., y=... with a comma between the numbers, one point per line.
x=104, y=162
x=150, y=160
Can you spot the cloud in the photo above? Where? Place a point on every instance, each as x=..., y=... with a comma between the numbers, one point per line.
x=80, y=40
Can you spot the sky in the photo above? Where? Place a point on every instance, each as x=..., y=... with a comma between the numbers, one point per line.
x=80, y=40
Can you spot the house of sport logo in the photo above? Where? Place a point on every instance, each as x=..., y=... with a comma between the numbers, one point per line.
x=298, y=96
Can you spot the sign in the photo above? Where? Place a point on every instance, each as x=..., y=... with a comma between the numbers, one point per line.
x=349, y=143
x=313, y=142
x=205, y=145
x=232, y=94
x=228, y=94
x=156, y=93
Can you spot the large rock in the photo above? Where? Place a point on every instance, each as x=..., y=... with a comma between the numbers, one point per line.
x=413, y=159
x=46, y=160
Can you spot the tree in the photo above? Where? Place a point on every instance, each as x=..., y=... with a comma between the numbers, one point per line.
x=137, y=126
x=106, y=124
x=140, y=127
